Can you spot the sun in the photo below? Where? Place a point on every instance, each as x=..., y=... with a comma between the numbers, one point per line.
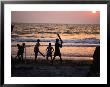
x=93, y=11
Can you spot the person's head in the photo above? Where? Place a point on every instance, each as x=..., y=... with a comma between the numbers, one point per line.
x=18, y=45
x=57, y=40
x=49, y=44
x=23, y=44
x=38, y=40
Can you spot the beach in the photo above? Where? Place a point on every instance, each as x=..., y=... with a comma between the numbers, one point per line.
x=43, y=68
x=79, y=43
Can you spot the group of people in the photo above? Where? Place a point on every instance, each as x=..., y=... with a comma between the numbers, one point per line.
x=49, y=50
x=94, y=69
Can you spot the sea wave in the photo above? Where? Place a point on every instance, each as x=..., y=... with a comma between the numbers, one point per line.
x=85, y=40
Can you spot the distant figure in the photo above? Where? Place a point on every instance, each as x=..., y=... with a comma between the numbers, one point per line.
x=57, y=49
x=20, y=51
x=95, y=67
x=12, y=26
x=49, y=51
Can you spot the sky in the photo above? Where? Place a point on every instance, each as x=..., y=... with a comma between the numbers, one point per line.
x=59, y=17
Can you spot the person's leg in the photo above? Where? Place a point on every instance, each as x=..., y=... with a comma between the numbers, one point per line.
x=47, y=57
x=35, y=56
x=60, y=59
x=53, y=59
x=51, y=55
x=18, y=55
x=21, y=57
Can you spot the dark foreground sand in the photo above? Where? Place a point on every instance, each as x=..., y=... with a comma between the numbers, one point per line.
x=43, y=68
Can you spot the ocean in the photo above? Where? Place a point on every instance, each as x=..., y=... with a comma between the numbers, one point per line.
x=79, y=40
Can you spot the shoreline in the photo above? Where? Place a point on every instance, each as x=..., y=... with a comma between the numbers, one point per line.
x=71, y=58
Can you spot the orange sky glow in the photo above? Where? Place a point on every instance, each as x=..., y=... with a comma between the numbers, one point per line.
x=65, y=17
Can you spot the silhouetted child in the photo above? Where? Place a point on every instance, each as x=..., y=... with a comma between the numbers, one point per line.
x=57, y=50
x=95, y=67
x=49, y=51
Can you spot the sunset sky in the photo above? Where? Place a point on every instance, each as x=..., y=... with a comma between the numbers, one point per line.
x=63, y=17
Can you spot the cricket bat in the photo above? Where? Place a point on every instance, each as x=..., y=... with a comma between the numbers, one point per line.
x=59, y=38
x=42, y=54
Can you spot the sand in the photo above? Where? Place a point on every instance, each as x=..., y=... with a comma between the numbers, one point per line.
x=43, y=68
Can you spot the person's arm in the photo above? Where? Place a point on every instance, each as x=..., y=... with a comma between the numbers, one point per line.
x=46, y=48
x=61, y=41
x=35, y=49
x=60, y=38
x=52, y=49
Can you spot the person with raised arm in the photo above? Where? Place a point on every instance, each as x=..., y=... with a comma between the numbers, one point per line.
x=57, y=52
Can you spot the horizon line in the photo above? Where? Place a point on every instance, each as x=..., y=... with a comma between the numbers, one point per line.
x=40, y=23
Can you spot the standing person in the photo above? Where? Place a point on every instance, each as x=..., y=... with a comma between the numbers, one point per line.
x=57, y=49
x=95, y=67
x=20, y=51
x=12, y=27
x=36, y=49
x=96, y=61
x=49, y=51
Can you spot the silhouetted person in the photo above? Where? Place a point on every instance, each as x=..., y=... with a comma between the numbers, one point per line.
x=95, y=67
x=36, y=49
x=12, y=26
x=57, y=50
x=20, y=51
x=49, y=51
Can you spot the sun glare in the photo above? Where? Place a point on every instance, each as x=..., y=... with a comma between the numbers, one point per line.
x=93, y=11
